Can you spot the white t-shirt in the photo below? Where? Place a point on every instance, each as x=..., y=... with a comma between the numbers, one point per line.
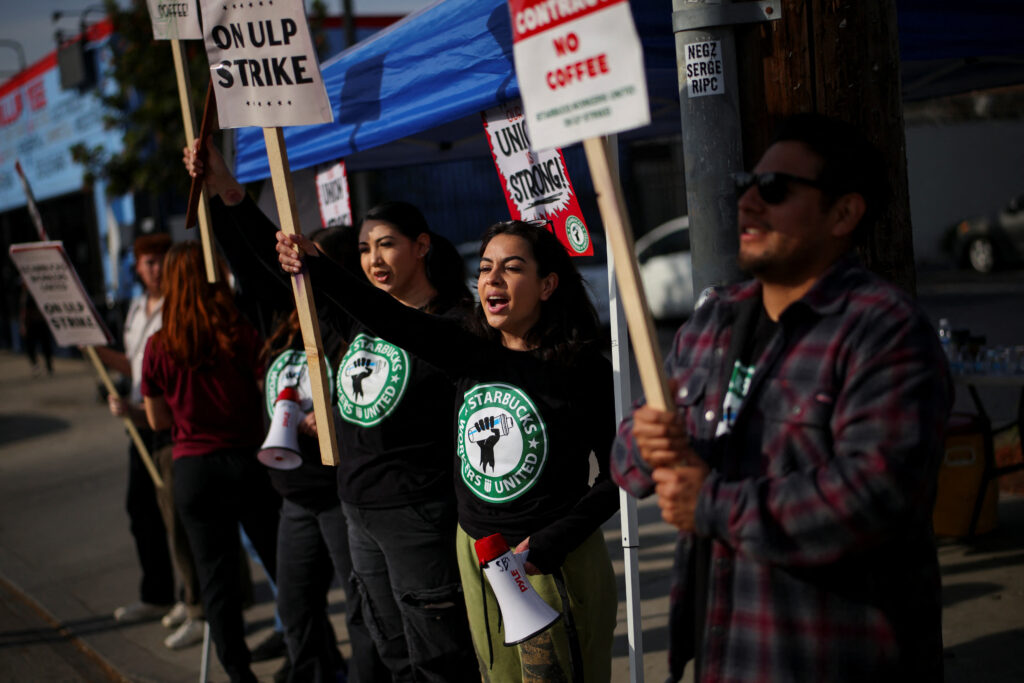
x=138, y=327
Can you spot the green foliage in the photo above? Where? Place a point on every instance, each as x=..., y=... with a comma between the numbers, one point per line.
x=144, y=105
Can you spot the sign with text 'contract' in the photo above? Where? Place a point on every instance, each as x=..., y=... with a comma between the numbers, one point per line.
x=57, y=291
x=174, y=19
x=263, y=65
x=536, y=184
x=580, y=69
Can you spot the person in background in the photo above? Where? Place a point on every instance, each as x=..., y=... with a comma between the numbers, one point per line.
x=800, y=461
x=35, y=333
x=200, y=378
x=156, y=591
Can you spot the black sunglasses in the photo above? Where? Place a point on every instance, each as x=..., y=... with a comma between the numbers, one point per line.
x=773, y=187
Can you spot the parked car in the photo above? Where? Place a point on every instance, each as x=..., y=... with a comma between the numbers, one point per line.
x=985, y=243
x=666, y=269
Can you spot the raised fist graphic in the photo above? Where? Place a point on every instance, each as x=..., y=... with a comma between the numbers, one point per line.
x=492, y=423
x=361, y=369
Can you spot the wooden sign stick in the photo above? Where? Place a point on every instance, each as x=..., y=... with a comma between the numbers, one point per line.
x=128, y=424
x=188, y=116
x=627, y=273
x=284, y=193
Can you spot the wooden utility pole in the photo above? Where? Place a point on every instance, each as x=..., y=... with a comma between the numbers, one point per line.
x=836, y=57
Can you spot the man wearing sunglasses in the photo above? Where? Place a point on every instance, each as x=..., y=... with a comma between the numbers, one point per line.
x=800, y=462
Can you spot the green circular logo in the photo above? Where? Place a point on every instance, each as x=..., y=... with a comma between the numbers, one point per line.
x=291, y=370
x=503, y=442
x=371, y=380
x=577, y=234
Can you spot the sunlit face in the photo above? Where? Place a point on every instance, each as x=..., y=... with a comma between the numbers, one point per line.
x=510, y=288
x=390, y=260
x=789, y=242
x=149, y=268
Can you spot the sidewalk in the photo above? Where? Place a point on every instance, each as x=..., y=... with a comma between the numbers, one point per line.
x=67, y=559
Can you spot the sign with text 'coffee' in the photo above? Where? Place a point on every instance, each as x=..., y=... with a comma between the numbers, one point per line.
x=536, y=184
x=58, y=292
x=174, y=20
x=580, y=69
x=263, y=66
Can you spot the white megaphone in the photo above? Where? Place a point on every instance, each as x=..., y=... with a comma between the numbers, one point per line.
x=280, y=450
x=523, y=611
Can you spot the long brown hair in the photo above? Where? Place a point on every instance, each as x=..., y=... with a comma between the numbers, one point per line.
x=200, y=320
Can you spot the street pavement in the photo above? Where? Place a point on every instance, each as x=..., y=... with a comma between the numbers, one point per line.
x=67, y=559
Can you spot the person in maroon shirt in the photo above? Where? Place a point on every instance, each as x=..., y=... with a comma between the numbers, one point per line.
x=200, y=378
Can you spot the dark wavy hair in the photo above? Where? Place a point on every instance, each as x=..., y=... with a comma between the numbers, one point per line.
x=445, y=268
x=849, y=162
x=568, y=322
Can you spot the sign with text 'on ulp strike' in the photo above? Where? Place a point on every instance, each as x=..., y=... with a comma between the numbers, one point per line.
x=57, y=291
x=580, y=69
x=263, y=66
x=174, y=19
x=536, y=184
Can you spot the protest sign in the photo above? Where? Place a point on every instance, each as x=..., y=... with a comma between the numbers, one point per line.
x=581, y=76
x=56, y=289
x=580, y=69
x=263, y=65
x=536, y=184
x=174, y=20
x=332, y=195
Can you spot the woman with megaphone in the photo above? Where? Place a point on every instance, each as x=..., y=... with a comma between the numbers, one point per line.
x=534, y=401
x=395, y=473
x=200, y=379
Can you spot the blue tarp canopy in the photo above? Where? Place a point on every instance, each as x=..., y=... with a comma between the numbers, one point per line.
x=414, y=91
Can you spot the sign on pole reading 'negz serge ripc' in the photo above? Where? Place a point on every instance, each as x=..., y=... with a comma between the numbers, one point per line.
x=263, y=66
x=580, y=69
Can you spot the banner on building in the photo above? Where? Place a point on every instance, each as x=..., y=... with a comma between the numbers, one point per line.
x=580, y=69
x=263, y=65
x=332, y=195
x=536, y=184
x=58, y=292
x=174, y=20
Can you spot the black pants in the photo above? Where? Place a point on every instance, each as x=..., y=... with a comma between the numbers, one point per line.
x=147, y=527
x=213, y=494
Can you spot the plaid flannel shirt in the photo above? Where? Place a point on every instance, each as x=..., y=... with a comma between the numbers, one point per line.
x=823, y=565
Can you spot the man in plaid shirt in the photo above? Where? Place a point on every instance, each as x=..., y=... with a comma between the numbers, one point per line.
x=801, y=460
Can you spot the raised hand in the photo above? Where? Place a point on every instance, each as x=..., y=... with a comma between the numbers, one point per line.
x=215, y=172
x=292, y=249
x=365, y=369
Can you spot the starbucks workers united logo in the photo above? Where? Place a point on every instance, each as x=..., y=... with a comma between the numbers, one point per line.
x=503, y=442
x=290, y=370
x=371, y=380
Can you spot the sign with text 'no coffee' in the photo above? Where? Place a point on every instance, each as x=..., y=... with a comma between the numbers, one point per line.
x=580, y=69
x=174, y=20
x=263, y=66
x=57, y=291
x=536, y=184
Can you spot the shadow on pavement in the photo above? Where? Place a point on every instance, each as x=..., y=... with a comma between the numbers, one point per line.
x=17, y=427
x=997, y=654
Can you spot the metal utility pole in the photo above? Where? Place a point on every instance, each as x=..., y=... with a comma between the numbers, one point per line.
x=709, y=102
x=841, y=59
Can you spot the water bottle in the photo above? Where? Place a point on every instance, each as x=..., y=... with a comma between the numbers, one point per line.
x=946, y=338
